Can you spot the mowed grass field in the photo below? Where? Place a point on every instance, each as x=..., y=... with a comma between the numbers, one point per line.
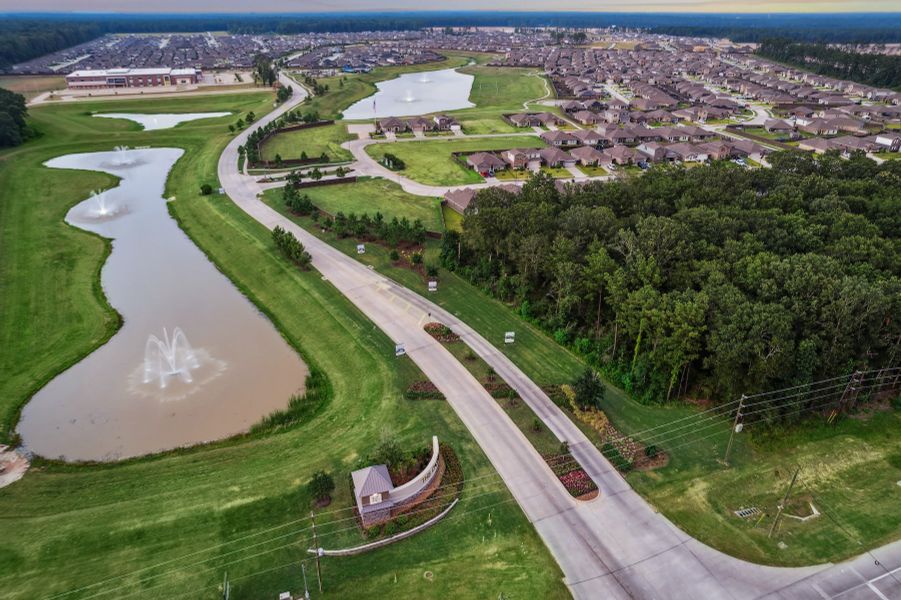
x=32, y=85
x=172, y=525
x=369, y=196
x=849, y=471
x=496, y=91
x=314, y=141
x=431, y=161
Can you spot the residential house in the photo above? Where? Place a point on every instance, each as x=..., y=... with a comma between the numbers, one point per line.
x=485, y=163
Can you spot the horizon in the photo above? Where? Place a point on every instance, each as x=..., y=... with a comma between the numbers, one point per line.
x=43, y=8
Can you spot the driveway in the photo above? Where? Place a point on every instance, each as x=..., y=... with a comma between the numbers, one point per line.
x=617, y=546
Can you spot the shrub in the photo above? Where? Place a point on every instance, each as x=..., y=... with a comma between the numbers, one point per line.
x=651, y=451
x=206, y=189
x=431, y=270
x=394, y=254
x=617, y=459
x=589, y=389
x=536, y=425
x=321, y=486
x=291, y=247
x=416, y=258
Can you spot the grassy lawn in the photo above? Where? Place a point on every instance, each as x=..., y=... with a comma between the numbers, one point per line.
x=172, y=524
x=849, y=471
x=557, y=172
x=368, y=196
x=453, y=221
x=489, y=125
x=513, y=174
x=593, y=171
x=314, y=141
x=495, y=91
x=430, y=161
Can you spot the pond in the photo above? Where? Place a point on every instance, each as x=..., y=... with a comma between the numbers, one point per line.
x=415, y=94
x=195, y=361
x=161, y=120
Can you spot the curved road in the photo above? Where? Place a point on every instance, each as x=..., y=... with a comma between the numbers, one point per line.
x=617, y=546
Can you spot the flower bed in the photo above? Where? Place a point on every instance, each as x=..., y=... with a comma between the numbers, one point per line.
x=578, y=483
x=572, y=476
x=423, y=390
x=441, y=332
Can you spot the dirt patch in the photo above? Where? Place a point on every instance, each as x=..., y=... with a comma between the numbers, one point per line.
x=589, y=496
x=12, y=466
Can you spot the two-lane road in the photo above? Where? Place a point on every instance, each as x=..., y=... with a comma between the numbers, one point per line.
x=617, y=546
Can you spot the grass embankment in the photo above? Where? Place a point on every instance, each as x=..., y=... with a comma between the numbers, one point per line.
x=431, y=161
x=173, y=524
x=314, y=141
x=849, y=471
x=369, y=196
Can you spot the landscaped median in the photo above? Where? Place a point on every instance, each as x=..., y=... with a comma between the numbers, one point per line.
x=555, y=453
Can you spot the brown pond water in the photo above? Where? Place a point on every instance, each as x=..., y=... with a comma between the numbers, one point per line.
x=228, y=368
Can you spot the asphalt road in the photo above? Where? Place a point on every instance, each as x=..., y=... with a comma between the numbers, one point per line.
x=616, y=546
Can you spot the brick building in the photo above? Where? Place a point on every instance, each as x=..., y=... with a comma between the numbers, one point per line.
x=127, y=78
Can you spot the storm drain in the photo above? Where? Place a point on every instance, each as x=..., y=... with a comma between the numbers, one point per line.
x=746, y=513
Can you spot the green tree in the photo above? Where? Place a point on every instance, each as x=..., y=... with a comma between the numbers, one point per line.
x=321, y=486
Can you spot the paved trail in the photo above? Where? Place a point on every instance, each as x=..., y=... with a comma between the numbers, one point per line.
x=617, y=546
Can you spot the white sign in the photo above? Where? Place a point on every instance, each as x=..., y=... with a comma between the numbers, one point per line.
x=361, y=249
x=221, y=190
x=433, y=286
x=509, y=337
x=399, y=350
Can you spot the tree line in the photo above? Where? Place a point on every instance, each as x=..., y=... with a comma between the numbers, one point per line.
x=24, y=39
x=872, y=69
x=13, y=128
x=709, y=282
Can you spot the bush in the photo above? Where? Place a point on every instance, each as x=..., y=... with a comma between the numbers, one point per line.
x=416, y=258
x=651, y=451
x=321, y=486
x=588, y=389
x=536, y=425
x=394, y=254
x=206, y=189
x=291, y=247
x=431, y=270
x=616, y=459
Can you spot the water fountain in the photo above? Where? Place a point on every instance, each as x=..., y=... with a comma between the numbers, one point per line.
x=424, y=79
x=165, y=358
x=100, y=207
x=408, y=97
x=121, y=160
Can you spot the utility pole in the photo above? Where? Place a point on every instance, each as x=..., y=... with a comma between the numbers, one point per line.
x=316, y=544
x=303, y=569
x=849, y=396
x=781, y=506
x=736, y=427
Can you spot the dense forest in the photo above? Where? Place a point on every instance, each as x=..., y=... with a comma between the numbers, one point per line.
x=872, y=69
x=711, y=282
x=24, y=39
x=13, y=128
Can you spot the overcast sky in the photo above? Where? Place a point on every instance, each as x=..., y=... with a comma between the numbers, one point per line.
x=729, y=6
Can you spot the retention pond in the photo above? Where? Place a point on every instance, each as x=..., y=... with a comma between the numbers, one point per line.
x=195, y=360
